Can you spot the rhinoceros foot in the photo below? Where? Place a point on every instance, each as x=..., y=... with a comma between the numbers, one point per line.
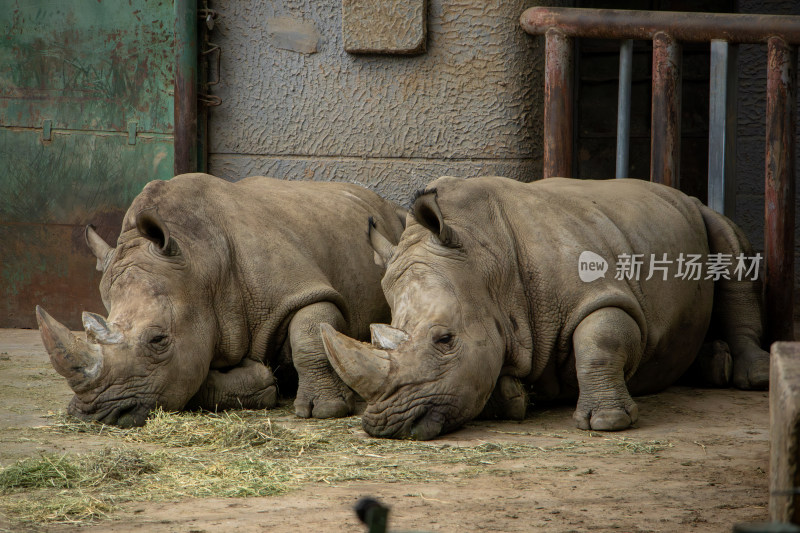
x=751, y=368
x=607, y=419
x=509, y=400
x=713, y=366
x=323, y=408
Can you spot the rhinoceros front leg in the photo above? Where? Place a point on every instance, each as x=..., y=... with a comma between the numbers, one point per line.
x=320, y=391
x=250, y=385
x=607, y=343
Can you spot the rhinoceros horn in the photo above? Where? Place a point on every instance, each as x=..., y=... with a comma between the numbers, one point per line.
x=361, y=366
x=101, y=250
x=72, y=357
x=386, y=337
x=97, y=330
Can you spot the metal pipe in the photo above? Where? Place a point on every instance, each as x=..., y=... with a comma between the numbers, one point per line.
x=558, y=105
x=665, y=121
x=779, y=190
x=624, y=107
x=644, y=25
x=722, y=128
x=185, y=86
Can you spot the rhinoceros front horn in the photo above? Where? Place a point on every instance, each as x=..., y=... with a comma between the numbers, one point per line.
x=71, y=356
x=361, y=366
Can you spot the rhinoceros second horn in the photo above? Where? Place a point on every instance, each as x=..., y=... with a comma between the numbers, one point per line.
x=71, y=356
x=386, y=337
x=361, y=366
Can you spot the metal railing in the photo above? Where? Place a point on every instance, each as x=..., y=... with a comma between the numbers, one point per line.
x=667, y=30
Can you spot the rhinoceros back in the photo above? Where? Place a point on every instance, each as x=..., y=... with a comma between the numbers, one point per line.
x=279, y=245
x=549, y=223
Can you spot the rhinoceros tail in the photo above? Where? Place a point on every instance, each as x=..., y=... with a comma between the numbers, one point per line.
x=737, y=315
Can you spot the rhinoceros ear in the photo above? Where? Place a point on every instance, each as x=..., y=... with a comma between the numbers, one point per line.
x=427, y=213
x=384, y=249
x=101, y=250
x=152, y=228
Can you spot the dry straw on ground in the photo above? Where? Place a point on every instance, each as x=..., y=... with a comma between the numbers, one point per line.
x=242, y=454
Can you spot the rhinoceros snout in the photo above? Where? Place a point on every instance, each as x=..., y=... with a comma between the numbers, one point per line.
x=122, y=414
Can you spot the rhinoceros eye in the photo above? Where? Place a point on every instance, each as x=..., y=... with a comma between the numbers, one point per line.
x=157, y=340
x=444, y=339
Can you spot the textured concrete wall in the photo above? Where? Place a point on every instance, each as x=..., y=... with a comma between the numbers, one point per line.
x=471, y=104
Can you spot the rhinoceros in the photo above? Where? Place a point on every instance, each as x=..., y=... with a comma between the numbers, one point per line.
x=488, y=304
x=212, y=284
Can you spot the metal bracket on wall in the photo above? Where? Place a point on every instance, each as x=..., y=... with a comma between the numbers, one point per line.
x=132, y=131
x=47, y=129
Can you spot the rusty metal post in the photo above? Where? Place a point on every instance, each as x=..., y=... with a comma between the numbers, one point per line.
x=558, y=105
x=185, y=86
x=665, y=137
x=779, y=190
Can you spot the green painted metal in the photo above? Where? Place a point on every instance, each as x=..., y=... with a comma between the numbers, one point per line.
x=86, y=119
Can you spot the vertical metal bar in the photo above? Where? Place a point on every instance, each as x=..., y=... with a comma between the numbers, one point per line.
x=558, y=110
x=722, y=128
x=779, y=190
x=624, y=107
x=665, y=120
x=185, y=86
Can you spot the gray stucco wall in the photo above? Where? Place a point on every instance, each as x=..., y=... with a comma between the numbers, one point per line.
x=470, y=105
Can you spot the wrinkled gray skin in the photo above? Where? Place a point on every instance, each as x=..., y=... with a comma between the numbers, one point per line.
x=212, y=284
x=487, y=305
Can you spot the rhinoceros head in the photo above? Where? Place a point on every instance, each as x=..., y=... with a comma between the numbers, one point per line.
x=435, y=367
x=153, y=348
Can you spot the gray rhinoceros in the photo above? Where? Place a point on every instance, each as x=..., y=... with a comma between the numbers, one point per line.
x=214, y=283
x=485, y=294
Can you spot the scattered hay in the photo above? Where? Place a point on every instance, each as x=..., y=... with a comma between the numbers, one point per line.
x=243, y=454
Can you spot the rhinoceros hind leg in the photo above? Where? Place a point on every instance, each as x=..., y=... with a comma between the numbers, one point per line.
x=509, y=400
x=607, y=344
x=751, y=368
x=320, y=391
x=250, y=385
x=713, y=366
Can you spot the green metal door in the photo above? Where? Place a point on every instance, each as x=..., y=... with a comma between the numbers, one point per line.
x=86, y=120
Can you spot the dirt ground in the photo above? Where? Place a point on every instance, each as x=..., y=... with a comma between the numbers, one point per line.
x=710, y=474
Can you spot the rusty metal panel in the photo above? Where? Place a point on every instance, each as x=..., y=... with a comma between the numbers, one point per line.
x=86, y=119
x=386, y=27
x=86, y=64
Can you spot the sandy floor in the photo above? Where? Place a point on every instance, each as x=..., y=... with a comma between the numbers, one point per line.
x=711, y=475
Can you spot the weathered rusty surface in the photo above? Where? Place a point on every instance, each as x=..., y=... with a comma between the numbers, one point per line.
x=665, y=136
x=185, y=83
x=687, y=27
x=386, y=27
x=90, y=68
x=784, y=433
x=779, y=189
x=558, y=105
x=87, y=72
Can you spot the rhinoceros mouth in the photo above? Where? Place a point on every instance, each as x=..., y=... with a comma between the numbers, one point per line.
x=423, y=419
x=124, y=413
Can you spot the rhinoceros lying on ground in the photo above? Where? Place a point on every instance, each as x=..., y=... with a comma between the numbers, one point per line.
x=211, y=284
x=485, y=295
